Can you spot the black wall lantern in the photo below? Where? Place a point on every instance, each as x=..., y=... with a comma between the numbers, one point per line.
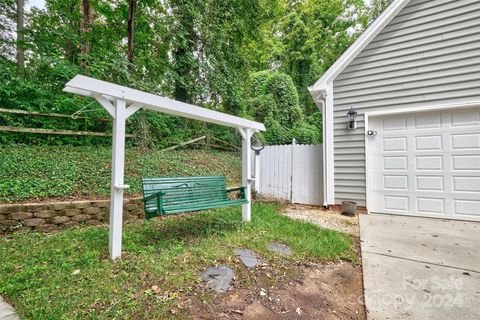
x=352, y=119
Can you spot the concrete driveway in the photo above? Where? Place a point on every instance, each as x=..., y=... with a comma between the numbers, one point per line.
x=420, y=268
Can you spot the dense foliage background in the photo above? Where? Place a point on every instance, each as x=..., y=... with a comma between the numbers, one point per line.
x=252, y=58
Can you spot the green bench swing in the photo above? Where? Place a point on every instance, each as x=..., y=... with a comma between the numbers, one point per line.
x=170, y=195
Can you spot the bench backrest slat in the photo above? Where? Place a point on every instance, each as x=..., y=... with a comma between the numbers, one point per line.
x=185, y=190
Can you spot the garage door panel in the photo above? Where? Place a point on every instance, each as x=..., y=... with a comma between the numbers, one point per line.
x=429, y=162
x=431, y=142
x=465, y=118
x=430, y=205
x=466, y=162
x=395, y=144
x=395, y=182
x=466, y=207
x=430, y=183
x=466, y=141
x=394, y=124
x=426, y=164
x=397, y=203
x=395, y=163
x=468, y=184
x=431, y=121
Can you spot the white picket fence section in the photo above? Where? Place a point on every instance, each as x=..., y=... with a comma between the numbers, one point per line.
x=292, y=172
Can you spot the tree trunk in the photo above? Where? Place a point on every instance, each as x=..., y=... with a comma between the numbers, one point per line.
x=180, y=91
x=84, y=30
x=20, y=37
x=132, y=6
x=184, y=41
x=71, y=50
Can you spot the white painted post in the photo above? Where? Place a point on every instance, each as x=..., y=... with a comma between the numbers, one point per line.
x=246, y=172
x=294, y=142
x=257, y=172
x=116, y=202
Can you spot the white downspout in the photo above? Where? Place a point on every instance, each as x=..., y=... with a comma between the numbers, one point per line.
x=320, y=99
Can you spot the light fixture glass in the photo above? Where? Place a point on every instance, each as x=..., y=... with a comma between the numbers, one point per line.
x=257, y=146
x=352, y=119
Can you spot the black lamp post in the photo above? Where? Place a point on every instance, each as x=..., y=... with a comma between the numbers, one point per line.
x=352, y=119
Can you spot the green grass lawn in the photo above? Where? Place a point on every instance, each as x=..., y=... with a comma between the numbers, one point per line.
x=37, y=270
x=35, y=173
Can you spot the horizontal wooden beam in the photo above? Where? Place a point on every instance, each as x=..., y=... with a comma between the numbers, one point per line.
x=59, y=132
x=91, y=87
x=55, y=115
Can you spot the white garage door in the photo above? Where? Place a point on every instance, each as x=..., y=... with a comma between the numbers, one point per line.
x=426, y=164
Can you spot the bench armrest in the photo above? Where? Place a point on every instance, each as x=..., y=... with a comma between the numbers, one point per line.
x=159, y=198
x=241, y=189
x=235, y=189
x=154, y=196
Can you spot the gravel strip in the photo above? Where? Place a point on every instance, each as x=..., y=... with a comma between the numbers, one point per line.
x=324, y=218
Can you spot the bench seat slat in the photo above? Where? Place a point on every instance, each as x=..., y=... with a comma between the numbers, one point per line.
x=186, y=200
x=207, y=206
x=198, y=204
x=195, y=203
x=189, y=200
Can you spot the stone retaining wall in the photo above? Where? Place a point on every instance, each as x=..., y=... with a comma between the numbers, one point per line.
x=47, y=217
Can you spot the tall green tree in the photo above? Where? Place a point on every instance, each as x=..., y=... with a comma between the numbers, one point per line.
x=185, y=70
x=7, y=27
x=377, y=7
x=313, y=34
x=85, y=29
x=20, y=36
x=132, y=8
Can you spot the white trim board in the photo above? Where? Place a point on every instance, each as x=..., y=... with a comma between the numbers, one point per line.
x=329, y=156
x=372, y=114
x=469, y=104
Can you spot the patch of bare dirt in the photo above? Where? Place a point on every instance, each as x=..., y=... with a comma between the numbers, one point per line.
x=321, y=291
x=314, y=291
x=323, y=218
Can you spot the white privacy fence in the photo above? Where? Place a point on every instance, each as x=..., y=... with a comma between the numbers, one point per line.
x=292, y=172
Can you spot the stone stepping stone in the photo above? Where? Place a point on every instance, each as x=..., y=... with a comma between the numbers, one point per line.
x=218, y=278
x=248, y=257
x=7, y=312
x=279, y=248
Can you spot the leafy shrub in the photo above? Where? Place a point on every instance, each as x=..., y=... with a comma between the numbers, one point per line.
x=273, y=99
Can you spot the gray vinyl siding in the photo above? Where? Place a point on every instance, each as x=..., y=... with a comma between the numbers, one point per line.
x=429, y=54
